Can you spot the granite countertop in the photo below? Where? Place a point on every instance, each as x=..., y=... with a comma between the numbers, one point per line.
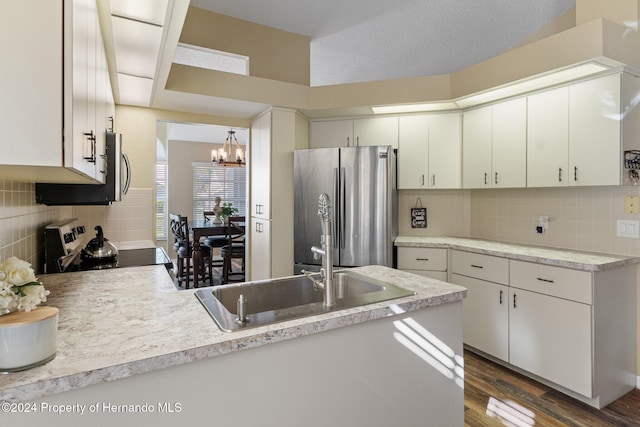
x=117, y=323
x=588, y=261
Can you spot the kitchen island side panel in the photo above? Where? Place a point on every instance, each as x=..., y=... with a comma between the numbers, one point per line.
x=401, y=370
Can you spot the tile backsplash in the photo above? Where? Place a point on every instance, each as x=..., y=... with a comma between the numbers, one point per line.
x=22, y=222
x=581, y=218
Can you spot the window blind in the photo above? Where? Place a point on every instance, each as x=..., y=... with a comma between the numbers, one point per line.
x=161, y=200
x=209, y=182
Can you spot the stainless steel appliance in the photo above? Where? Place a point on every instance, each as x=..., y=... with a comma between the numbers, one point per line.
x=117, y=181
x=361, y=182
x=65, y=242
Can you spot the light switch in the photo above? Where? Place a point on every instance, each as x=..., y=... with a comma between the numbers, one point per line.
x=628, y=228
x=632, y=204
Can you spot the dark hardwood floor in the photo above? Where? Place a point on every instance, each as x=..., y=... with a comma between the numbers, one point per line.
x=497, y=396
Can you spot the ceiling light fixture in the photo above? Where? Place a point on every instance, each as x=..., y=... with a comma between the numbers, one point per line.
x=222, y=156
x=413, y=108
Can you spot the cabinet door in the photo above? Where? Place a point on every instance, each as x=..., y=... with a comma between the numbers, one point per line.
x=476, y=153
x=376, y=131
x=485, y=316
x=551, y=337
x=548, y=138
x=331, y=134
x=260, y=247
x=445, y=151
x=260, y=164
x=413, y=152
x=509, y=144
x=31, y=101
x=80, y=76
x=594, y=132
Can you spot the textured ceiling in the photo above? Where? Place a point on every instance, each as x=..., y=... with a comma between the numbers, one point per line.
x=366, y=40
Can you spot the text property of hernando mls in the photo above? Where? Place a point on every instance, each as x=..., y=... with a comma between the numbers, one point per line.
x=94, y=408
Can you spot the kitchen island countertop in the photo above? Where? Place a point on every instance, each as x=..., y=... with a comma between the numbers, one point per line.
x=588, y=261
x=120, y=322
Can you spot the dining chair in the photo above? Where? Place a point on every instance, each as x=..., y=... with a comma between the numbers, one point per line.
x=233, y=249
x=184, y=252
x=214, y=242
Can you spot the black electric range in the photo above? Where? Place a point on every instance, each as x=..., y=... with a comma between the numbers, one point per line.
x=125, y=258
x=65, y=239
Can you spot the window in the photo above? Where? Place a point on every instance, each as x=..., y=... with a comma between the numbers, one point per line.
x=161, y=200
x=209, y=182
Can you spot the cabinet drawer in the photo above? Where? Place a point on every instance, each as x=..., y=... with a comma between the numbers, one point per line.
x=559, y=282
x=433, y=259
x=485, y=267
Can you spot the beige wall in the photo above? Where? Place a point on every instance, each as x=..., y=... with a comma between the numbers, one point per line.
x=181, y=155
x=274, y=54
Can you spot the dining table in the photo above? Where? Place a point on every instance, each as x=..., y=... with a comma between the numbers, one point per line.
x=203, y=228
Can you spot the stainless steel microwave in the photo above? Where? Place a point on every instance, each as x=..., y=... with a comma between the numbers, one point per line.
x=116, y=184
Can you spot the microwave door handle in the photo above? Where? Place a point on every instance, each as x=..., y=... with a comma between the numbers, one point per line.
x=128, y=168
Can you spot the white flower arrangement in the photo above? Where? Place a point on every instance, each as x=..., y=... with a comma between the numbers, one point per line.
x=19, y=288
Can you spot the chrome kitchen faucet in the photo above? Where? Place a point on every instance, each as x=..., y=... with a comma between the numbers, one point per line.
x=326, y=252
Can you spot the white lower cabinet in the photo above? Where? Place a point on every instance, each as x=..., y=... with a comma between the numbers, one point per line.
x=486, y=316
x=572, y=329
x=551, y=337
x=428, y=262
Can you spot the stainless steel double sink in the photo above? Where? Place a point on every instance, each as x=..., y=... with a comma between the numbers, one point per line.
x=276, y=300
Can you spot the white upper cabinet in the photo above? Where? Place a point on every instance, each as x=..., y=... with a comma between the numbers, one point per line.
x=331, y=134
x=577, y=133
x=476, y=152
x=50, y=87
x=595, y=150
x=495, y=145
x=376, y=131
x=429, y=151
x=548, y=138
x=509, y=144
x=354, y=133
x=413, y=152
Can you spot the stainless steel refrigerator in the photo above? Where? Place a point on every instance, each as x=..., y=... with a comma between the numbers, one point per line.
x=361, y=182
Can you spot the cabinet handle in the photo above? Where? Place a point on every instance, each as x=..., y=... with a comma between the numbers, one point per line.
x=514, y=301
x=559, y=174
x=422, y=259
x=501, y=297
x=91, y=137
x=348, y=140
x=545, y=280
x=110, y=121
x=575, y=173
x=476, y=266
x=422, y=180
x=496, y=178
x=433, y=180
x=357, y=141
x=258, y=227
x=485, y=178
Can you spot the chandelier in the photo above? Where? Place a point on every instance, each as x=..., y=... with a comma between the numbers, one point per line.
x=230, y=154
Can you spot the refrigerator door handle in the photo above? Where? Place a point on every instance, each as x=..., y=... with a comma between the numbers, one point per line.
x=342, y=207
x=336, y=205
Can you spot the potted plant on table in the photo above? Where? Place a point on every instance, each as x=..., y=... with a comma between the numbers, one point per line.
x=227, y=210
